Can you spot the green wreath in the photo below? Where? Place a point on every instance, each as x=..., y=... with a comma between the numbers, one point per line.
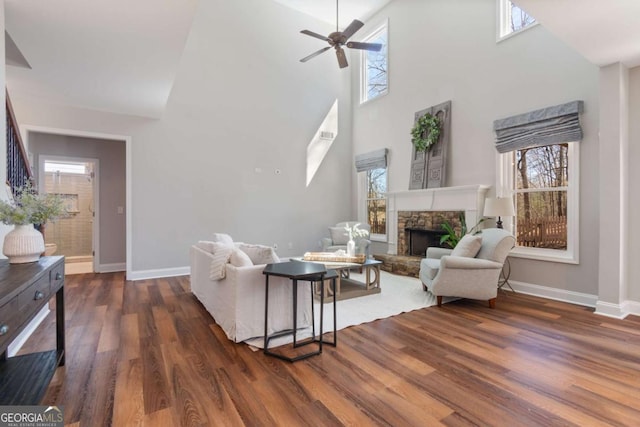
x=425, y=132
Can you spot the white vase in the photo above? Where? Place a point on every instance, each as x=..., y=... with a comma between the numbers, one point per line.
x=23, y=244
x=351, y=248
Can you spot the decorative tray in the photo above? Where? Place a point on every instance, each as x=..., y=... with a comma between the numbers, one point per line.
x=333, y=257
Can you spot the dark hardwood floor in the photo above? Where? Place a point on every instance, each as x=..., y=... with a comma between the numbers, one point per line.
x=147, y=353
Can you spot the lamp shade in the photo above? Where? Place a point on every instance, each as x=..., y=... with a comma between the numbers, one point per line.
x=499, y=206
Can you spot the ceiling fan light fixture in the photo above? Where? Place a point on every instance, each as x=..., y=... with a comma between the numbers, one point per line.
x=338, y=39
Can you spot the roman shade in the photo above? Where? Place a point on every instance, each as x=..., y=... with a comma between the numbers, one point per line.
x=372, y=160
x=551, y=125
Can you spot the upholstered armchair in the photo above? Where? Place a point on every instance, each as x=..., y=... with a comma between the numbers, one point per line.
x=339, y=238
x=471, y=270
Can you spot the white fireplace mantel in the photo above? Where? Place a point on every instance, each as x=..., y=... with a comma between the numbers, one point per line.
x=467, y=198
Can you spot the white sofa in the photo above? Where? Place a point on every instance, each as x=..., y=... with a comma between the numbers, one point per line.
x=236, y=301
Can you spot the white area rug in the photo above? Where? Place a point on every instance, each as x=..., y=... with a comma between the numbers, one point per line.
x=399, y=294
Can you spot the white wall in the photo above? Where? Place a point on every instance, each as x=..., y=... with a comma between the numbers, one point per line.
x=634, y=190
x=241, y=101
x=444, y=50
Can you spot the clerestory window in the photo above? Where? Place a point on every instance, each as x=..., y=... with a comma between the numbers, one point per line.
x=512, y=19
x=374, y=66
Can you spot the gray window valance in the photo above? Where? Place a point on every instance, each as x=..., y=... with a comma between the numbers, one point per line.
x=372, y=160
x=551, y=125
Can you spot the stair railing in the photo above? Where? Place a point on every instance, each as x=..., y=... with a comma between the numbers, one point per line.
x=18, y=169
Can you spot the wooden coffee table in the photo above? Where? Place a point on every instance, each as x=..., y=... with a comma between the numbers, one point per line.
x=371, y=284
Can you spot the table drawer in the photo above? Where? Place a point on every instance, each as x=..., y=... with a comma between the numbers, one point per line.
x=57, y=276
x=34, y=296
x=9, y=321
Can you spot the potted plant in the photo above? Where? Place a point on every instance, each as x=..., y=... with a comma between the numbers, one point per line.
x=25, y=211
x=452, y=237
x=354, y=232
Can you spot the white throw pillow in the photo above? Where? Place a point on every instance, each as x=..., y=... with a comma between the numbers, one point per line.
x=468, y=246
x=219, y=258
x=240, y=259
x=339, y=235
x=222, y=238
x=260, y=254
x=206, y=246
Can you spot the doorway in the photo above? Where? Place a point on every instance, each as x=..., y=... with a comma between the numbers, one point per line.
x=74, y=235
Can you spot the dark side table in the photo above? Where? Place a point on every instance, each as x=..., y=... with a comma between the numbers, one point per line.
x=300, y=271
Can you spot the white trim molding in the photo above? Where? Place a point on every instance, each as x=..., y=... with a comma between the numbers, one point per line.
x=618, y=311
x=112, y=268
x=159, y=273
x=548, y=292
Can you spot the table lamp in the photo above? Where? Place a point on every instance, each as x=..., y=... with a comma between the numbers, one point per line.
x=499, y=207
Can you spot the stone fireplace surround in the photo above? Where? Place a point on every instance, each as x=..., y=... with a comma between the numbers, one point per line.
x=446, y=201
x=419, y=229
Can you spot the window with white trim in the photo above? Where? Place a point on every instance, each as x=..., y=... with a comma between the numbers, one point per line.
x=512, y=19
x=540, y=168
x=544, y=183
x=376, y=202
x=374, y=77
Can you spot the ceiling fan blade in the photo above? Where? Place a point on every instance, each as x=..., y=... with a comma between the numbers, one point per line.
x=374, y=47
x=351, y=29
x=314, y=54
x=342, y=58
x=316, y=35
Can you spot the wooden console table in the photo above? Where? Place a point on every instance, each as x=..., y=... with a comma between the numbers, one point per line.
x=24, y=290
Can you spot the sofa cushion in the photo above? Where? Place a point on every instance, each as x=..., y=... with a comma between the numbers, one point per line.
x=222, y=238
x=339, y=235
x=429, y=267
x=468, y=246
x=219, y=258
x=240, y=259
x=260, y=254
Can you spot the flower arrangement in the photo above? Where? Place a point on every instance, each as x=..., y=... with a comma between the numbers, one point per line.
x=425, y=132
x=355, y=231
x=29, y=207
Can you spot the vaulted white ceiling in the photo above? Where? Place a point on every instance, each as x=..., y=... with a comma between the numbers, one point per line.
x=325, y=10
x=122, y=55
x=603, y=31
x=113, y=55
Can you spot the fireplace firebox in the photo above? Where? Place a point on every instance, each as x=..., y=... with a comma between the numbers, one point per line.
x=420, y=239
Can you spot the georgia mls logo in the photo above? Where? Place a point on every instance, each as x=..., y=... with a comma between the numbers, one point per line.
x=53, y=408
x=31, y=416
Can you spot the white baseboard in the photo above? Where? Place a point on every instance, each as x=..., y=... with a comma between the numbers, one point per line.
x=112, y=268
x=618, y=311
x=19, y=341
x=609, y=309
x=156, y=274
x=631, y=307
x=603, y=308
x=564, y=295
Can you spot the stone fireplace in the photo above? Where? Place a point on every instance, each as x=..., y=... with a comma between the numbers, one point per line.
x=427, y=210
x=417, y=230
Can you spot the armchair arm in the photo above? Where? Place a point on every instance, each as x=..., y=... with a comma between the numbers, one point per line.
x=468, y=263
x=437, y=253
x=362, y=246
x=326, y=242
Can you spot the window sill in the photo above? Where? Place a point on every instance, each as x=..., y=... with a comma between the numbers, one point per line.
x=549, y=255
x=378, y=238
x=367, y=101
x=515, y=33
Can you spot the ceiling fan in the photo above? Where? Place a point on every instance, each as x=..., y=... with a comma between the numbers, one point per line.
x=338, y=39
